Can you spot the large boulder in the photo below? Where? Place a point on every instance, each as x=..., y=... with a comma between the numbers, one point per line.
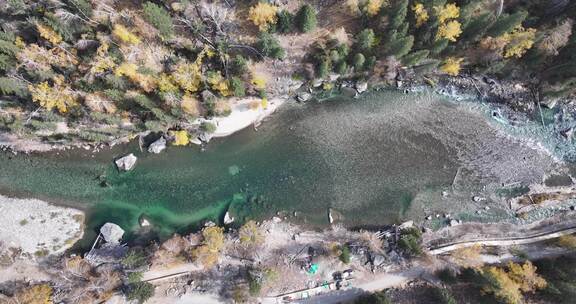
x=228, y=219
x=126, y=163
x=111, y=233
x=158, y=146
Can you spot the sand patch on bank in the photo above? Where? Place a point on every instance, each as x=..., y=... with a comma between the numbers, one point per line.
x=244, y=114
x=37, y=227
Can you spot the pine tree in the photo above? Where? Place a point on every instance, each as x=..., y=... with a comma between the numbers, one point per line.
x=507, y=23
x=415, y=57
x=439, y=46
x=366, y=40
x=359, y=61
x=159, y=18
x=269, y=46
x=477, y=27
x=398, y=14
x=306, y=18
x=10, y=86
x=401, y=47
x=285, y=22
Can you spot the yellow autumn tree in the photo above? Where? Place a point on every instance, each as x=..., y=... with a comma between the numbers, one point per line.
x=262, y=15
x=373, y=7
x=468, y=257
x=501, y=286
x=219, y=83
x=37, y=294
x=451, y=66
x=209, y=252
x=250, y=234
x=259, y=81
x=526, y=276
x=48, y=33
x=189, y=105
x=181, y=137
x=447, y=12
x=102, y=62
x=420, y=13
x=166, y=84
x=58, y=96
x=130, y=70
x=519, y=42
x=124, y=35
x=450, y=30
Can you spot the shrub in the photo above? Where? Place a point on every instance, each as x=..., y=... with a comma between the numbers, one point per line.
x=410, y=242
x=269, y=46
x=208, y=127
x=141, y=292
x=366, y=40
x=159, y=18
x=285, y=23
x=323, y=68
x=359, y=61
x=306, y=19
x=345, y=255
x=239, y=65
x=237, y=86
x=375, y=298
x=134, y=258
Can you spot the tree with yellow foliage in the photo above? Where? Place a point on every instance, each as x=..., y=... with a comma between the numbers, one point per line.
x=450, y=30
x=508, y=286
x=452, y=66
x=181, y=137
x=37, y=294
x=373, y=7
x=58, y=96
x=130, y=70
x=250, y=234
x=263, y=15
x=447, y=12
x=420, y=13
x=219, y=83
x=102, y=62
x=124, y=35
x=48, y=33
x=468, y=257
x=209, y=252
x=259, y=82
x=519, y=42
x=189, y=105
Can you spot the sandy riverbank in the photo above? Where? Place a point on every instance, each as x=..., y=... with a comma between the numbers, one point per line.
x=37, y=227
x=244, y=115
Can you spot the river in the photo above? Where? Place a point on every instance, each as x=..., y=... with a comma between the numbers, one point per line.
x=377, y=160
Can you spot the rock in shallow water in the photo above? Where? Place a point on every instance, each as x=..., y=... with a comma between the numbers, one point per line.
x=126, y=163
x=158, y=146
x=111, y=233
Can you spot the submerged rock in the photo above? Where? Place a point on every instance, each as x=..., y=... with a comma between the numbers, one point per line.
x=158, y=146
x=478, y=199
x=144, y=222
x=111, y=233
x=349, y=92
x=126, y=163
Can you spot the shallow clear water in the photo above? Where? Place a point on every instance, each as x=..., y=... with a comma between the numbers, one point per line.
x=368, y=159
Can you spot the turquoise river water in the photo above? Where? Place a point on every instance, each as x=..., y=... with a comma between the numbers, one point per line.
x=368, y=159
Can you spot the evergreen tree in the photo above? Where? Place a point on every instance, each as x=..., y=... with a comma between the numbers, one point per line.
x=342, y=67
x=306, y=18
x=359, y=61
x=323, y=68
x=507, y=23
x=401, y=47
x=439, y=46
x=269, y=46
x=9, y=86
x=237, y=87
x=398, y=14
x=159, y=18
x=285, y=23
x=415, y=57
x=477, y=27
x=366, y=40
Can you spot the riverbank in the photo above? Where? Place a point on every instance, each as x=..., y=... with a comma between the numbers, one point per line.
x=36, y=228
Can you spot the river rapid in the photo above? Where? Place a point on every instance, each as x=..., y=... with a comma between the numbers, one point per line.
x=377, y=160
